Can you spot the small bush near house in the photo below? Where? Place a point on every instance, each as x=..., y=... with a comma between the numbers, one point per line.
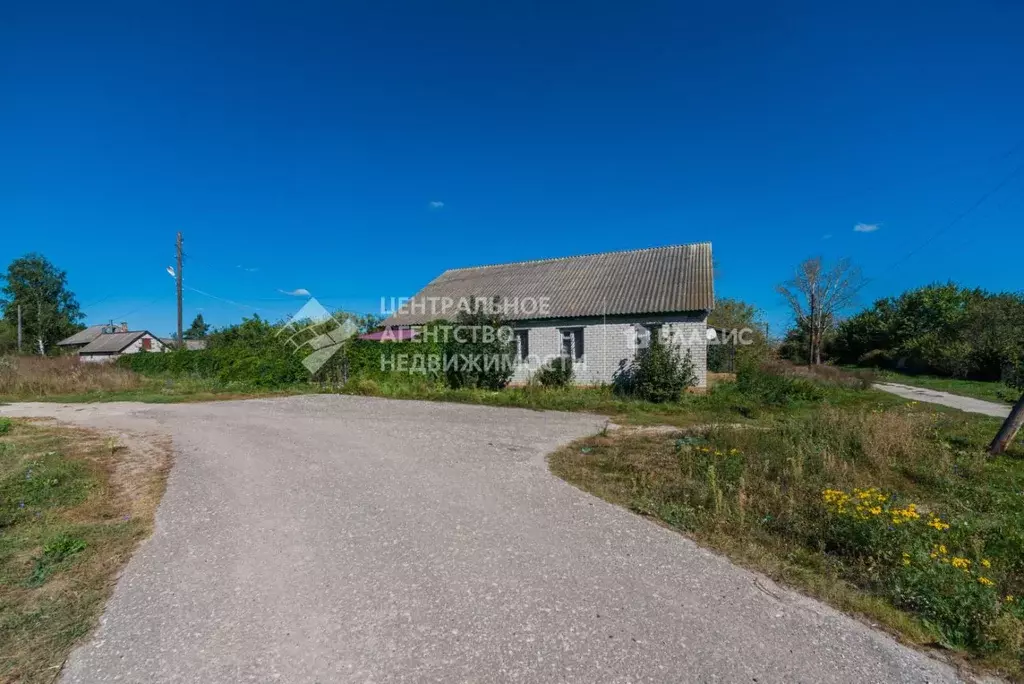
x=556, y=372
x=657, y=374
x=482, y=355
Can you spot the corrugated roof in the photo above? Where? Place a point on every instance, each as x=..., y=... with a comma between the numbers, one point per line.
x=111, y=343
x=191, y=345
x=83, y=336
x=656, y=280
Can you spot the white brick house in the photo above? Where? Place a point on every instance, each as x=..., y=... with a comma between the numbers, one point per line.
x=108, y=346
x=598, y=308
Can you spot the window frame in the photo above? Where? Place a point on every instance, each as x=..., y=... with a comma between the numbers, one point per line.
x=522, y=343
x=574, y=336
x=645, y=332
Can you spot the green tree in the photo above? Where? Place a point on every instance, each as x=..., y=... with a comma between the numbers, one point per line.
x=198, y=330
x=744, y=328
x=943, y=328
x=50, y=311
x=8, y=337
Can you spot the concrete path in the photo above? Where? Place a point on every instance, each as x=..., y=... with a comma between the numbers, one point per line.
x=332, y=539
x=969, y=404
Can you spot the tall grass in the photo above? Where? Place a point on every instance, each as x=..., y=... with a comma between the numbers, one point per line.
x=35, y=376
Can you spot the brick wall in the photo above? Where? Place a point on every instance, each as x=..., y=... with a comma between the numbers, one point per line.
x=609, y=341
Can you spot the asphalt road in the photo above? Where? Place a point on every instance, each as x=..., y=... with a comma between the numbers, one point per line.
x=331, y=539
x=969, y=404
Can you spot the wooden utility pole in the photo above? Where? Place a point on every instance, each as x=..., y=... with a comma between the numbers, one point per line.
x=19, y=328
x=177, y=275
x=1009, y=430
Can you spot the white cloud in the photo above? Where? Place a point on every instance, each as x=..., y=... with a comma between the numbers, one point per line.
x=826, y=236
x=247, y=269
x=301, y=292
x=866, y=227
x=436, y=204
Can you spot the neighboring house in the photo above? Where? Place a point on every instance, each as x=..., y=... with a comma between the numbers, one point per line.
x=110, y=345
x=84, y=337
x=598, y=308
x=191, y=345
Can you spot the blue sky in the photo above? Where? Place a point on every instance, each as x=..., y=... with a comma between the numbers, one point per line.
x=358, y=149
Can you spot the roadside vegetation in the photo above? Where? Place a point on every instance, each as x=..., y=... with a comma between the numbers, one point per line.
x=73, y=505
x=937, y=331
x=885, y=508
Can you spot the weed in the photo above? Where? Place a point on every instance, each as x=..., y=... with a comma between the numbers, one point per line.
x=55, y=552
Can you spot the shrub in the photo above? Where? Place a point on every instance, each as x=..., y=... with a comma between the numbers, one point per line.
x=481, y=353
x=657, y=374
x=366, y=387
x=557, y=372
x=776, y=390
x=5, y=426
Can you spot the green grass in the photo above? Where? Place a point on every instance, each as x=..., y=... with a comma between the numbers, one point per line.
x=68, y=521
x=734, y=402
x=979, y=389
x=167, y=391
x=755, y=493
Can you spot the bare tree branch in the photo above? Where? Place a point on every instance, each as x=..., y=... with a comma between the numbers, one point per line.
x=817, y=295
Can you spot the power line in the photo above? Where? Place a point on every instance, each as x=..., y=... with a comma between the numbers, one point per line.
x=962, y=215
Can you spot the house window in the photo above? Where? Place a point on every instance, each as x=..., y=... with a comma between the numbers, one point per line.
x=147, y=344
x=572, y=343
x=646, y=333
x=522, y=344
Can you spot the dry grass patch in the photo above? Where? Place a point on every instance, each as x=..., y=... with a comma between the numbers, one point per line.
x=41, y=376
x=73, y=505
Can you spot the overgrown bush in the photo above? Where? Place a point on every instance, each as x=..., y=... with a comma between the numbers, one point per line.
x=480, y=352
x=941, y=329
x=258, y=353
x=557, y=372
x=658, y=373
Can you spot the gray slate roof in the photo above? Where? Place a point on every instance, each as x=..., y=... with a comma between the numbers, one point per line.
x=82, y=336
x=191, y=345
x=644, y=281
x=111, y=343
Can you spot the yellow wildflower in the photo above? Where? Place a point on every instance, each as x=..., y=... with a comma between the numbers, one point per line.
x=985, y=581
x=906, y=559
x=938, y=524
x=1010, y=598
x=961, y=563
x=986, y=562
x=875, y=510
